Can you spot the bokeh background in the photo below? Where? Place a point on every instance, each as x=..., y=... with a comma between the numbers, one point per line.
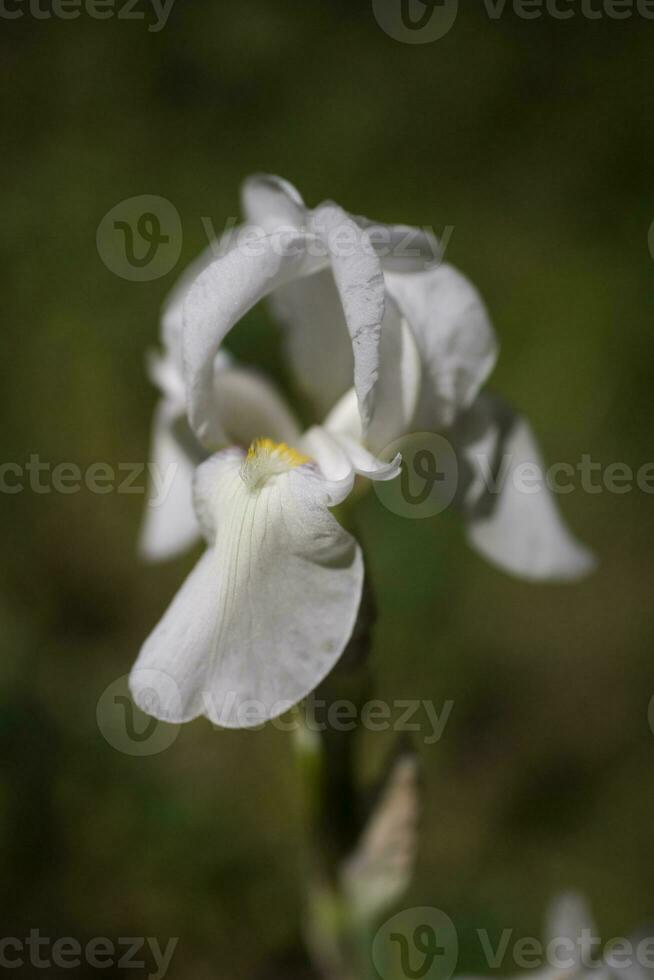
x=534, y=140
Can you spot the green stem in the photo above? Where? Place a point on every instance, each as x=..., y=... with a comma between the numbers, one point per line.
x=327, y=756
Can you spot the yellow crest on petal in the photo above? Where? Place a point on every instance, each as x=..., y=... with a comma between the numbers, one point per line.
x=267, y=458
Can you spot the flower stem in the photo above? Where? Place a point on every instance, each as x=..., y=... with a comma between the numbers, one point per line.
x=327, y=754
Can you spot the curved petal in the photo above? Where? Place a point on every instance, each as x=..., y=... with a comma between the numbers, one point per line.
x=170, y=525
x=512, y=518
x=350, y=295
x=222, y=294
x=454, y=336
x=173, y=308
x=270, y=202
x=268, y=610
x=360, y=283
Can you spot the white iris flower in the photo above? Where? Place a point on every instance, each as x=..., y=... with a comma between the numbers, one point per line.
x=384, y=343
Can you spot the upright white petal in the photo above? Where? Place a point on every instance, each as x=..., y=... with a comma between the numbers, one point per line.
x=222, y=294
x=360, y=283
x=246, y=406
x=350, y=294
x=316, y=337
x=454, y=336
x=309, y=309
x=514, y=522
x=399, y=384
x=270, y=607
x=270, y=202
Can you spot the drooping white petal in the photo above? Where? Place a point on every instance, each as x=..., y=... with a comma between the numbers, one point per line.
x=454, y=336
x=170, y=525
x=270, y=202
x=360, y=283
x=514, y=522
x=222, y=294
x=267, y=611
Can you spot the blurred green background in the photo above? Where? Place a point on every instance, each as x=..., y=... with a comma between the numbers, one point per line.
x=534, y=140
